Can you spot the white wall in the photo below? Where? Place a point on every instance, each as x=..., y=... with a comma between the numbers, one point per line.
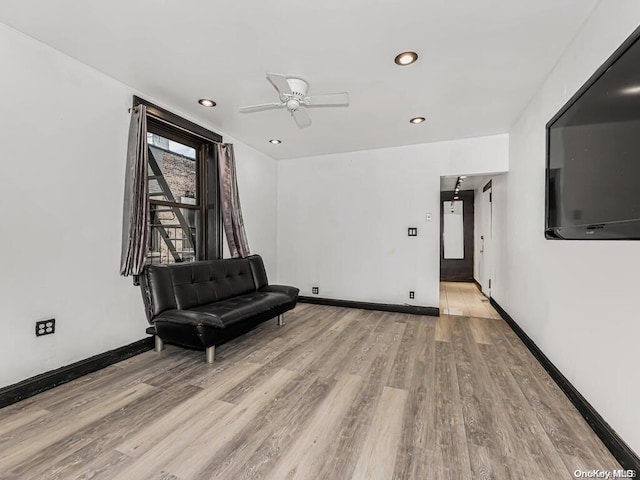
x=577, y=300
x=63, y=134
x=499, y=240
x=258, y=185
x=343, y=218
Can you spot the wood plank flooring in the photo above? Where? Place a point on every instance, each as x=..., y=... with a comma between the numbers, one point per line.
x=334, y=394
x=465, y=299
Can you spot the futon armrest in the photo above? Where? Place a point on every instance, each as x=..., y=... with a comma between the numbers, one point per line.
x=291, y=292
x=189, y=317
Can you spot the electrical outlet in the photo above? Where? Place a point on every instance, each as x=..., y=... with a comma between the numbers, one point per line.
x=412, y=231
x=45, y=327
x=412, y=294
x=315, y=290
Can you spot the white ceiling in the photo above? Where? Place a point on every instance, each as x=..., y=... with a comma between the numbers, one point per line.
x=480, y=61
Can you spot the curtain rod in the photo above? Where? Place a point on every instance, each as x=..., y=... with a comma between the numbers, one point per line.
x=166, y=122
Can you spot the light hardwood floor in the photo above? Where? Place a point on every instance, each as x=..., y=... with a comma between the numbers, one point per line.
x=334, y=394
x=466, y=299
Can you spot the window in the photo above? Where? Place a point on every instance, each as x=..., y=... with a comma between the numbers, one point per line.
x=183, y=189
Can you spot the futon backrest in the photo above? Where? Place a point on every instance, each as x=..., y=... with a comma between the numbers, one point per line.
x=187, y=285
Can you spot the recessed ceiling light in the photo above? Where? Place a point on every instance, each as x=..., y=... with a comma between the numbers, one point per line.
x=634, y=90
x=275, y=141
x=406, y=58
x=415, y=120
x=462, y=177
x=205, y=102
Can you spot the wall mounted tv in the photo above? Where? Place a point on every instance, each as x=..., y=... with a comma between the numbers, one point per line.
x=593, y=155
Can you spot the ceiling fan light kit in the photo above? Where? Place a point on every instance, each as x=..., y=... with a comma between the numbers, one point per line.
x=292, y=93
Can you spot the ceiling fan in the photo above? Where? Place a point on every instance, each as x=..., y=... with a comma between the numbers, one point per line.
x=293, y=96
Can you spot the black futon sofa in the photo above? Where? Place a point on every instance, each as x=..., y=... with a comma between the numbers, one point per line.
x=203, y=304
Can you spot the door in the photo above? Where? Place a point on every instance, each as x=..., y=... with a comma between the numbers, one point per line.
x=456, y=228
x=484, y=264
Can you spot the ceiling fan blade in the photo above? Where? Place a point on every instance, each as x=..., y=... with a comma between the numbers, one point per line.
x=280, y=83
x=258, y=108
x=328, y=100
x=301, y=117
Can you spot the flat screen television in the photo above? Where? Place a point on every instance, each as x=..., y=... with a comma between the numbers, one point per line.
x=593, y=155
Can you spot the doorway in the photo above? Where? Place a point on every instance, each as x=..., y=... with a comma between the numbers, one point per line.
x=456, y=235
x=466, y=227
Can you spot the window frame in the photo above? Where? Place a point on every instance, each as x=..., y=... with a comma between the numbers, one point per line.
x=174, y=127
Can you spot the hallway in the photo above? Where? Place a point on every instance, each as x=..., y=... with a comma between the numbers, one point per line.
x=465, y=299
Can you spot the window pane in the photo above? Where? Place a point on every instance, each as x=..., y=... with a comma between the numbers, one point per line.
x=174, y=234
x=172, y=170
x=453, y=234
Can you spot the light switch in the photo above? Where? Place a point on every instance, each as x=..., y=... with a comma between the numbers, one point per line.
x=412, y=231
x=428, y=217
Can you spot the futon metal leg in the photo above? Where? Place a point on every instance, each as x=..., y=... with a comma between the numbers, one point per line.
x=281, y=319
x=159, y=344
x=211, y=354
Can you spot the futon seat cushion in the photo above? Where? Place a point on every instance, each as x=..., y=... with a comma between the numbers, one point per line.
x=227, y=312
x=239, y=308
x=189, y=317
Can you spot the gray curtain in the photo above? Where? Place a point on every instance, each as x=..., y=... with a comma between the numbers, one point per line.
x=135, y=218
x=230, y=198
